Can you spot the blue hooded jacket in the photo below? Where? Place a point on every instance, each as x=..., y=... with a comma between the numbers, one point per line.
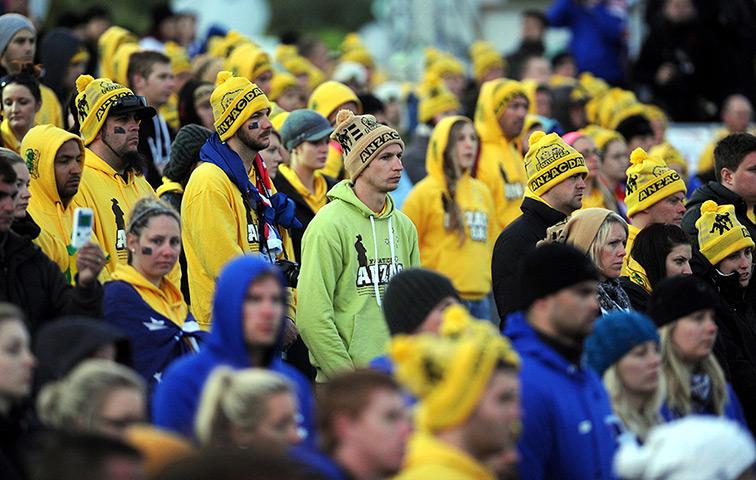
x=569, y=428
x=177, y=398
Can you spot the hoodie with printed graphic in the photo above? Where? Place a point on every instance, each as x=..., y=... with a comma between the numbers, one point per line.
x=500, y=165
x=466, y=263
x=53, y=215
x=348, y=257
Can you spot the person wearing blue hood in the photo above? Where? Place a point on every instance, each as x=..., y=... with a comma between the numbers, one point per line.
x=569, y=430
x=248, y=328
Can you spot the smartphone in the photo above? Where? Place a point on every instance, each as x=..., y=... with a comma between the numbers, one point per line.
x=82, y=227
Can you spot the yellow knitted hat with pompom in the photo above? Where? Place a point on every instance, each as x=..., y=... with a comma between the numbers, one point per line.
x=549, y=161
x=361, y=139
x=331, y=95
x=449, y=373
x=720, y=233
x=234, y=100
x=649, y=180
x=434, y=98
x=93, y=103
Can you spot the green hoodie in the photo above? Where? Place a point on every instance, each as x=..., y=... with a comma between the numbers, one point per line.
x=340, y=289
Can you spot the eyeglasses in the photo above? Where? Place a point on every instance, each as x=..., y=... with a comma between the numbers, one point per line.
x=128, y=101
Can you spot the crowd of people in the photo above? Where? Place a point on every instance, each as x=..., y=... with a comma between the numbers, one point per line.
x=299, y=268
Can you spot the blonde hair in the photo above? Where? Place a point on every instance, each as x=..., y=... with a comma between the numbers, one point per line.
x=73, y=403
x=678, y=377
x=638, y=421
x=602, y=236
x=235, y=398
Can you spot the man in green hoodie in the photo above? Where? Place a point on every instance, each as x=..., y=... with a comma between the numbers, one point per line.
x=351, y=249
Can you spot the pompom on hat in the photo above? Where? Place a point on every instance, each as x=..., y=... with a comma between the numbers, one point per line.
x=614, y=335
x=361, y=138
x=98, y=97
x=550, y=161
x=434, y=99
x=234, y=100
x=449, y=373
x=649, y=180
x=720, y=233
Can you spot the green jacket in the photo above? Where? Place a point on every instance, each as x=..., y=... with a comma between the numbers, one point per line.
x=348, y=258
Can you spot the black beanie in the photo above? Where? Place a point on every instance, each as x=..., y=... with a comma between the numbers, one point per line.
x=679, y=296
x=550, y=268
x=411, y=295
x=185, y=151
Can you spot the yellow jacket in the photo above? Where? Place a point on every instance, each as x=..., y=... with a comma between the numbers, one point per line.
x=428, y=457
x=468, y=263
x=632, y=232
x=51, y=112
x=500, y=166
x=112, y=198
x=166, y=300
x=53, y=216
x=215, y=227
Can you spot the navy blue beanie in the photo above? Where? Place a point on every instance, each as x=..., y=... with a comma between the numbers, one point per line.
x=614, y=335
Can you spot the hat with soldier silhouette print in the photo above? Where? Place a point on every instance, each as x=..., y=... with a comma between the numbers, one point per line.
x=720, y=233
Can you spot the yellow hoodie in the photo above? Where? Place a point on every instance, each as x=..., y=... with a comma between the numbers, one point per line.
x=500, y=166
x=428, y=457
x=166, y=300
x=53, y=216
x=112, y=198
x=51, y=112
x=632, y=232
x=468, y=265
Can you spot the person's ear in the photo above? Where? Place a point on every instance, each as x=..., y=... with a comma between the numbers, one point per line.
x=726, y=174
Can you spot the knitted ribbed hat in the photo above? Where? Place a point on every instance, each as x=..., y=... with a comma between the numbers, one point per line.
x=671, y=156
x=180, y=61
x=107, y=46
x=303, y=126
x=234, y=100
x=550, y=268
x=281, y=82
x=411, y=295
x=434, y=98
x=185, y=150
x=720, y=233
x=614, y=335
x=361, y=139
x=94, y=100
x=248, y=61
x=549, y=161
x=503, y=94
x=449, y=373
x=10, y=24
x=331, y=95
x=485, y=61
x=649, y=180
x=679, y=296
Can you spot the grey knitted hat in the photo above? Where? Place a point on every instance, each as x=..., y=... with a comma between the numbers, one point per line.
x=10, y=24
x=185, y=151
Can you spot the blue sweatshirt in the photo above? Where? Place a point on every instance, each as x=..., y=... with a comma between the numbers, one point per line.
x=176, y=399
x=569, y=428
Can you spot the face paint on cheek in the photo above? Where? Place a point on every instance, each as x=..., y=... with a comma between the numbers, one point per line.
x=146, y=251
x=119, y=131
x=253, y=126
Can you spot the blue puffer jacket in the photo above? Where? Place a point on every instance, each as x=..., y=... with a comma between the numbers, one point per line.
x=569, y=429
x=176, y=399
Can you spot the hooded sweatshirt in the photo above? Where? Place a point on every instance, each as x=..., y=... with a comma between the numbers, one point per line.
x=428, y=457
x=51, y=213
x=468, y=264
x=58, y=48
x=348, y=257
x=176, y=399
x=111, y=197
x=500, y=165
x=157, y=320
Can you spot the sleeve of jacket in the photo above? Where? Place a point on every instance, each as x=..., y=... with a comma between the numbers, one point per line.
x=537, y=441
x=611, y=26
x=559, y=13
x=505, y=264
x=174, y=404
x=321, y=269
x=67, y=299
x=413, y=207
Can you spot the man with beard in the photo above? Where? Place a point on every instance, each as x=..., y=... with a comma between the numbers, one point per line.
x=230, y=206
x=112, y=180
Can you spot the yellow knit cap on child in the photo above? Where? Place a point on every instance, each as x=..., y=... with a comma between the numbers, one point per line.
x=720, y=233
x=649, y=180
x=361, y=138
x=549, y=161
x=449, y=373
x=234, y=100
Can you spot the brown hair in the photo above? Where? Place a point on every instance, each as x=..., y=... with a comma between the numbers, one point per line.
x=454, y=220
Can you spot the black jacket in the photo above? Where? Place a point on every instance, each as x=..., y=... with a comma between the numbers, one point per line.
x=515, y=242
x=35, y=283
x=303, y=211
x=149, y=138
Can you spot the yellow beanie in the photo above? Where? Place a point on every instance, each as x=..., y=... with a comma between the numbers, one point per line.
x=234, y=100
x=594, y=86
x=447, y=65
x=248, y=61
x=281, y=82
x=720, y=233
x=352, y=41
x=503, y=94
x=434, y=98
x=278, y=119
x=180, y=61
x=331, y=95
x=361, y=138
x=486, y=61
x=602, y=136
x=649, y=180
x=93, y=103
x=449, y=373
x=121, y=63
x=671, y=156
x=285, y=52
x=480, y=47
x=628, y=111
x=107, y=46
x=549, y=161
x=655, y=113
x=358, y=55
x=226, y=45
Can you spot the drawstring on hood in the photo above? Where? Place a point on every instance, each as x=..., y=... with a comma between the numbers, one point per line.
x=393, y=255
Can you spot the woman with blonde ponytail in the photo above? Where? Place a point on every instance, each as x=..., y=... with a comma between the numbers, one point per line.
x=246, y=408
x=454, y=214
